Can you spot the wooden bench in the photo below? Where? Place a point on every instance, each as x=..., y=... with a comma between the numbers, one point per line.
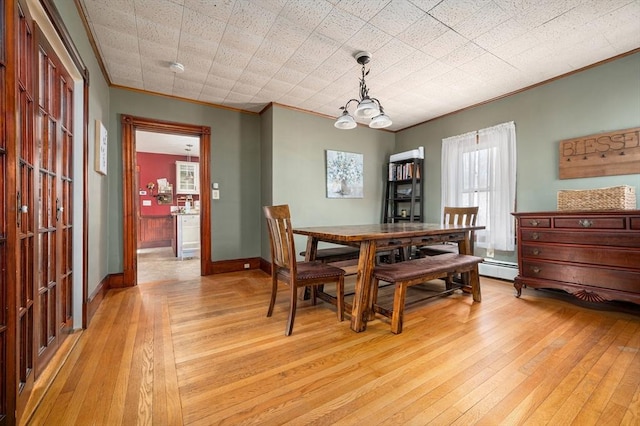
x=418, y=271
x=346, y=253
x=335, y=254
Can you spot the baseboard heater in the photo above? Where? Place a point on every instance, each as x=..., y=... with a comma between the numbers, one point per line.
x=498, y=269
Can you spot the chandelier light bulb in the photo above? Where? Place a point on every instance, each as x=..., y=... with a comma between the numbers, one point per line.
x=367, y=109
x=380, y=121
x=345, y=121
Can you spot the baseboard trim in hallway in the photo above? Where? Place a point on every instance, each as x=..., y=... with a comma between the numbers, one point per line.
x=44, y=382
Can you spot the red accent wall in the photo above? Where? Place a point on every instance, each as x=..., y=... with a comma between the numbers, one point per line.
x=151, y=168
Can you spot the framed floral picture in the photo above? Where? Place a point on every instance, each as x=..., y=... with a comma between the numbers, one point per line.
x=344, y=175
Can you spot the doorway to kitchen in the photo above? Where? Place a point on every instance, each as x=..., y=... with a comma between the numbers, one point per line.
x=168, y=206
x=167, y=223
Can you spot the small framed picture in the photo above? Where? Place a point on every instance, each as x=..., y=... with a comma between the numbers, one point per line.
x=101, y=148
x=344, y=174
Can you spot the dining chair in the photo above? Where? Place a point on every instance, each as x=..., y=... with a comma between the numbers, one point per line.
x=285, y=267
x=454, y=216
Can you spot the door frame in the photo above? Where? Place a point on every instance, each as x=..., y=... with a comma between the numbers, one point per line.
x=129, y=190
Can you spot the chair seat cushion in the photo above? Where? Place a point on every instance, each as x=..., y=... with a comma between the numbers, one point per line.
x=314, y=270
x=416, y=268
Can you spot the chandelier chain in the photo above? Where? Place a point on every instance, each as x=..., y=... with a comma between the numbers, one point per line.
x=364, y=91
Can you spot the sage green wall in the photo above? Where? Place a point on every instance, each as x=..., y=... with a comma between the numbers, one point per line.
x=266, y=170
x=235, y=166
x=599, y=99
x=98, y=185
x=298, y=144
x=279, y=157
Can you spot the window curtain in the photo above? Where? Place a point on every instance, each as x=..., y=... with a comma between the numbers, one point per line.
x=479, y=169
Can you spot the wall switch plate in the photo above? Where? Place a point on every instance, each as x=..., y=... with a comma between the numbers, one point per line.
x=146, y=203
x=215, y=194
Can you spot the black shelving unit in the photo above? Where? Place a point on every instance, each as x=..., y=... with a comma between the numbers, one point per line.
x=403, y=197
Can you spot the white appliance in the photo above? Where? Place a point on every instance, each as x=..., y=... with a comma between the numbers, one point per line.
x=188, y=236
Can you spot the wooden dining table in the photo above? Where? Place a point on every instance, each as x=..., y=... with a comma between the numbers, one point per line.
x=375, y=237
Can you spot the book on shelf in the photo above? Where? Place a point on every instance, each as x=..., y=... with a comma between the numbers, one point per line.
x=403, y=171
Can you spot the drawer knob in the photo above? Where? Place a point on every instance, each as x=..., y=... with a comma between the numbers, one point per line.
x=535, y=270
x=585, y=223
x=535, y=236
x=534, y=222
x=536, y=252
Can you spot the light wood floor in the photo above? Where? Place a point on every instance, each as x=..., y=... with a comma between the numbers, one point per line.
x=202, y=352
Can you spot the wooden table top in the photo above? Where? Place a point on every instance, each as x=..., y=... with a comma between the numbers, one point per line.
x=380, y=231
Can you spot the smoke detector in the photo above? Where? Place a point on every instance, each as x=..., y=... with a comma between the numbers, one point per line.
x=176, y=67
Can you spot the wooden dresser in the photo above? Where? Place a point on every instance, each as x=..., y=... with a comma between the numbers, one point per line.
x=594, y=255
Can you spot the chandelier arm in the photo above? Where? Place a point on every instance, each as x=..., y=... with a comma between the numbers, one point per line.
x=348, y=102
x=379, y=104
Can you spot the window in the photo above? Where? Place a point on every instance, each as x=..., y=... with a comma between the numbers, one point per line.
x=479, y=169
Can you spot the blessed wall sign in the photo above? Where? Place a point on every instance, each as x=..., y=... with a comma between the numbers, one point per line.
x=603, y=154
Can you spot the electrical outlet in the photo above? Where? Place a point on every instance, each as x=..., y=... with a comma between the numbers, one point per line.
x=247, y=266
x=489, y=252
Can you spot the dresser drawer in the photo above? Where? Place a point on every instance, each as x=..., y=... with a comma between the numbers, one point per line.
x=535, y=222
x=590, y=222
x=583, y=275
x=591, y=255
x=587, y=237
x=635, y=223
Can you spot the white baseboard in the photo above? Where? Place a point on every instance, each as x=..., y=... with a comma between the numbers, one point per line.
x=498, y=269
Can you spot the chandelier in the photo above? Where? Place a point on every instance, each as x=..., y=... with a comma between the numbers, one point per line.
x=368, y=107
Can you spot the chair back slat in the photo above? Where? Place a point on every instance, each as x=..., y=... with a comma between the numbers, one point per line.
x=460, y=215
x=281, y=236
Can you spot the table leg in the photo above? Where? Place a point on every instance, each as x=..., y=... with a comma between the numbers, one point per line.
x=310, y=254
x=312, y=249
x=361, y=299
x=464, y=247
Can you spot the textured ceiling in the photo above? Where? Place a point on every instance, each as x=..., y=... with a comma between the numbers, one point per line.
x=163, y=143
x=429, y=57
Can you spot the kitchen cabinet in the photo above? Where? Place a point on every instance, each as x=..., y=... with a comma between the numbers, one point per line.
x=187, y=177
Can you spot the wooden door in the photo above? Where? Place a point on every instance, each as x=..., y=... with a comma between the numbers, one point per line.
x=54, y=140
x=25, y=207
x=5, y=339
x=36, y=188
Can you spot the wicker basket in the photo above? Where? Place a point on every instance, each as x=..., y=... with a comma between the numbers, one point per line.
x=614, y=198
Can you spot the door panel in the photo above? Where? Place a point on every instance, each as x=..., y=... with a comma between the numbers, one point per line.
x=25, y=208
x=65, y=207
x=54, y=140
